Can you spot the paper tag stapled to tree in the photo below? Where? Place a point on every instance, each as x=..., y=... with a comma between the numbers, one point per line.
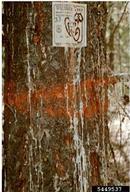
x=69, y=24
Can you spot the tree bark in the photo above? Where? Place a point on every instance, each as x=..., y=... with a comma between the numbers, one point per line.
x=55, y=128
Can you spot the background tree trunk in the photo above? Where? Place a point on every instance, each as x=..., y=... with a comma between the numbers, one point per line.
x=55, y=128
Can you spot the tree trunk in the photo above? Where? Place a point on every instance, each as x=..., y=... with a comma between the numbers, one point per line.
x=55, y=128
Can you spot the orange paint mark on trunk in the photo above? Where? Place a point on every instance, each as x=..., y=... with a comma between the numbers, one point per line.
x=54, y=98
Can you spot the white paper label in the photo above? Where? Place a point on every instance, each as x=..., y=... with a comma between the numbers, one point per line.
x=69, y=24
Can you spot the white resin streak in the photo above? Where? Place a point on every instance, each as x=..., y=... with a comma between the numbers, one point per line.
x=32, y=186
x=104, y=158
x=88, y=173
x=40, y=172
x=80, y=159
x=35, y=142
x=29, y=102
